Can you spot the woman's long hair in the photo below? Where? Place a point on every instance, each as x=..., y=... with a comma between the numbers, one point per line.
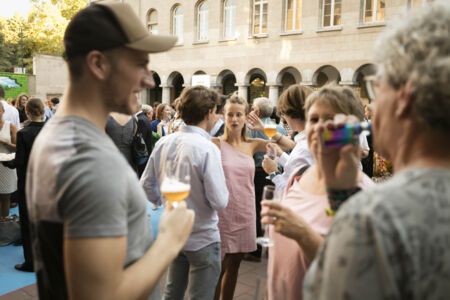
x=18, y=104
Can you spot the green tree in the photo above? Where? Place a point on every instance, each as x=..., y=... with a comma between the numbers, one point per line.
x=42, y=31
x=8, y=51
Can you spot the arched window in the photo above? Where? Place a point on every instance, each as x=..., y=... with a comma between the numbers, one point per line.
x=202, y=21
x=229, y=19
x=152, y=21
x=293, y=15
x=177, y=23
x=374, y=10
x=331, y=13
x=260, y=16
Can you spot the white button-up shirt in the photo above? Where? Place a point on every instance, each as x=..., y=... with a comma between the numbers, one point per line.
x=208, y=193
x=11, y=114
x=299, y=157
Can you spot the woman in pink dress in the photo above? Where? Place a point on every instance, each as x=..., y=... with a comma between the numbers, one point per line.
x=237, y=221
x=300, y=220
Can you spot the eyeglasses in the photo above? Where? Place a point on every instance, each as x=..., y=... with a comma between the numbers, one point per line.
x=372, y=87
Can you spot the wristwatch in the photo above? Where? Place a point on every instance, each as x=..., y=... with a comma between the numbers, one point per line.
x=273, y=174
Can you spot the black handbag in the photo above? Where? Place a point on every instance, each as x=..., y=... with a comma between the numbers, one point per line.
x=139, y=148
x=10, y=231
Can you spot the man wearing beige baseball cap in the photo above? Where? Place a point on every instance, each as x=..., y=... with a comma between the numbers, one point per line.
x=91, y=235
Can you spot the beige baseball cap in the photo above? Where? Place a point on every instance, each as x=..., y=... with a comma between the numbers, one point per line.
x=107, y=25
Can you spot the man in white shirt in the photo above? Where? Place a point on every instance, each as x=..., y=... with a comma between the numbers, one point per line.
x=11, y=114
x=198, y=265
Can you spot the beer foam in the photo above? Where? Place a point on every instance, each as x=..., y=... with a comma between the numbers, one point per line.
x=172, y=186
x=274, y=126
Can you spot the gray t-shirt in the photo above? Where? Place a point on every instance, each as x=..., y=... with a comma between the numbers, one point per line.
x=80, y=185
x=388, y=242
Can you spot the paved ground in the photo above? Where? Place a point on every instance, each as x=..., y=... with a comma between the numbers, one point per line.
x=251, y=276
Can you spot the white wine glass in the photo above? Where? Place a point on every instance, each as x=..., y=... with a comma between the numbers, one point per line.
x=268, y=194
x=176, y=185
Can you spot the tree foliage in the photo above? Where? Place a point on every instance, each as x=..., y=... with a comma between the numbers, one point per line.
x=41, y=32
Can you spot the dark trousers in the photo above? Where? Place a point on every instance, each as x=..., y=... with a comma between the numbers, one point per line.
x=25, y=230
x=140, y=169
x=260, y=181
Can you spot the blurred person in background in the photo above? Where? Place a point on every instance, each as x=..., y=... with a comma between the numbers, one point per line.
x=219, y=126
x=54, y=104
x=121, y=129
x=161, y=123
x=155, y=105
x=367, y=162
x=11, y=101
x=34, y=109
x=176, y=122
x=48, y=111
x=20, y=105
x=391, y=241
x=8, y=178
x=300, y=220
x=237, y=221
x=290, y=107
x=197, y=267
x=10, y=113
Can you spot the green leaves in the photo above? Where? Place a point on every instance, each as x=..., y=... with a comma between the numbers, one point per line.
x=42, y=32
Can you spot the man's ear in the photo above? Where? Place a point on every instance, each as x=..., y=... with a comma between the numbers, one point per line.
x=404, y=99
x=98, y=64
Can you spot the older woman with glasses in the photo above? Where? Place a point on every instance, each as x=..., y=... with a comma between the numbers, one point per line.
x=391, y=241
x=300, y=219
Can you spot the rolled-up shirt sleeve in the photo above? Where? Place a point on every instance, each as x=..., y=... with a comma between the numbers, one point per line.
x=149, y=180
x=217, y=194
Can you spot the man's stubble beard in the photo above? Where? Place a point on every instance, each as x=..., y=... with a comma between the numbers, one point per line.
x=111, y=100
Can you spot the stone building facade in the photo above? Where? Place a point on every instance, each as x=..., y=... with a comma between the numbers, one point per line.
x=260, y=47
x=257, y=47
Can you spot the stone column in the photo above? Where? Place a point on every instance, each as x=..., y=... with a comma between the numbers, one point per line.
x=166, y=94
x=347, y=83
x=243, y=91
x=273, y=94
x=143, y=96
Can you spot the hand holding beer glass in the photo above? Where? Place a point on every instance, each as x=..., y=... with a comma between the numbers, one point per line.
x=176, y=184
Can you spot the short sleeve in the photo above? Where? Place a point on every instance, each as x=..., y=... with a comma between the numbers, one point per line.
x=92, y=196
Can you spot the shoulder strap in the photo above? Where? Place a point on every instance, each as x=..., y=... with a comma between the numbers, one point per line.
x=134, y=125
x=295, y=176
x=301, y=171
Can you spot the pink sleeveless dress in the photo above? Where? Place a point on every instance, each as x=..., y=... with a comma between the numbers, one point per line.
x=287, y=265
x=237, y=222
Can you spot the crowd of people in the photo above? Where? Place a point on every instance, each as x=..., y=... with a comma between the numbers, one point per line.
x=337, y=231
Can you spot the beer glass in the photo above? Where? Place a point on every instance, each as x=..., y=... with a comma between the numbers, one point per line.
x=270, y=128
x=176, y=185
x=268, y=194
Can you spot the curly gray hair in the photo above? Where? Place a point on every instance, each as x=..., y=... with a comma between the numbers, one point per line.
x=264, y=105
x=147, y=109
x=417, y=49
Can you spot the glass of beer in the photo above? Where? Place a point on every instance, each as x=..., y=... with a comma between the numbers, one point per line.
x=270, y=128
x=176, y=184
